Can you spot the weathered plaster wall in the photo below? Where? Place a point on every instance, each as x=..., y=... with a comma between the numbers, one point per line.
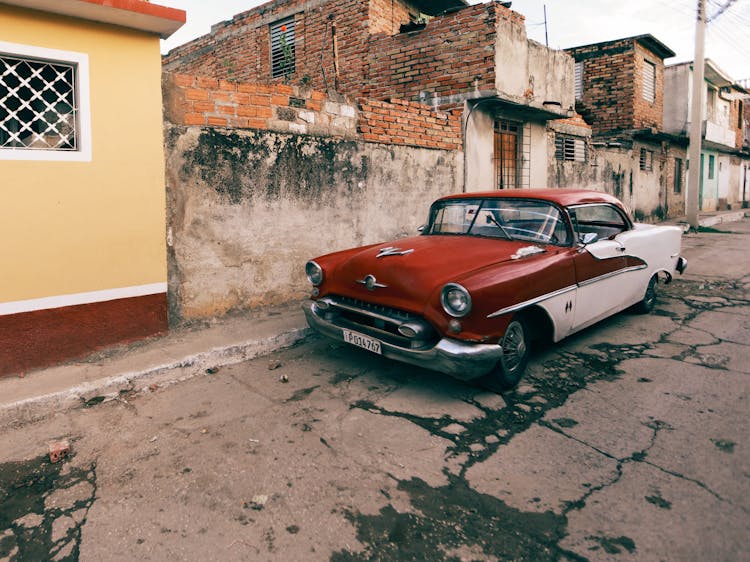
x=249, y=208
x=650, y=195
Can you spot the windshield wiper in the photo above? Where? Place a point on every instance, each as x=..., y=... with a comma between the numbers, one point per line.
x=496, y=222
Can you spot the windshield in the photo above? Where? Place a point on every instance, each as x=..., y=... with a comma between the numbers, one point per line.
x=513, y=219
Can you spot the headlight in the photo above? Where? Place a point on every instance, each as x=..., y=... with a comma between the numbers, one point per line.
x=314, y=273
x=456, y=300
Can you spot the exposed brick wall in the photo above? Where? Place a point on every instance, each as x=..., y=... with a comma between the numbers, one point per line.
x=368, y=57
x=613, y=81
x=647, y=114
x=239, y=49
x=208, y=102
x=608, y=85
x=191, y=100
x=408, y=123
x=445, y=57
x=575, y=121
x=386, y=16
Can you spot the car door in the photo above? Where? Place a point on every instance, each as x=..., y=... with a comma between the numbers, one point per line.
x=601, y=266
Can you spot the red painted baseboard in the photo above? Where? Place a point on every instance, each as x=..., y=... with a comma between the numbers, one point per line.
x=32, y=340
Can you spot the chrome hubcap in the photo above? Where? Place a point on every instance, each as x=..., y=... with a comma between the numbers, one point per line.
x=514, y=347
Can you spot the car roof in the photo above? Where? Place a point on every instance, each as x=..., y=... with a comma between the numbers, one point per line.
x=564, y=197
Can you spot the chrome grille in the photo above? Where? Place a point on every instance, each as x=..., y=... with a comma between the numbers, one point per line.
x=378, y=321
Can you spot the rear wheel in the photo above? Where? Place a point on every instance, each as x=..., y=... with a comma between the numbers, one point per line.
x=646, y=305
x=515, y=356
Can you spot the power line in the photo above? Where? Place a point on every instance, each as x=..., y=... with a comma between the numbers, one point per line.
x=722, y=9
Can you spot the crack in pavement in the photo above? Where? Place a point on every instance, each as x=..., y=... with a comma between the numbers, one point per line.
x=32, y=526
x=563, y=375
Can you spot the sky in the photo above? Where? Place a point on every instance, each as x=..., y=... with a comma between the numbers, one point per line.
x=570, y=23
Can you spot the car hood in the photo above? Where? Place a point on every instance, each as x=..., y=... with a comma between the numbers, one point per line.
x=409, y=270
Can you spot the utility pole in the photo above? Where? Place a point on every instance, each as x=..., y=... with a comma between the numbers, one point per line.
x=546, y=37
x=696, y=118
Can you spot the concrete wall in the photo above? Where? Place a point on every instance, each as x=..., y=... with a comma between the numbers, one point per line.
x=552, y=74
x=650, y=195
x=677, y=86
x=248, y=208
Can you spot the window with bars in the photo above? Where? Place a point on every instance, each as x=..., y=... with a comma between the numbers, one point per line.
x=38, y=104
x=579, y=80
x=283, y=56
x=512, y=154
x=571, y=149
x=649, y=81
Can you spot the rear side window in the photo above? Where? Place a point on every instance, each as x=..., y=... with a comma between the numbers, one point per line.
x=605, y=220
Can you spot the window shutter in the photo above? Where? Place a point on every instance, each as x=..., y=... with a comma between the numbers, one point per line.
x=649, y=81
x=570, y=149
x=579, y=80
x=282, y=48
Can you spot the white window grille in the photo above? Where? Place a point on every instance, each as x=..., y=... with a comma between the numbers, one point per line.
x=649, y=81
x=44, y=104
x=579, y=80
x=283, y=55
x=570, y=149
x=38, y=104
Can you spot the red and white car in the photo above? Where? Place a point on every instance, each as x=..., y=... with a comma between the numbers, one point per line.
x=489, y=273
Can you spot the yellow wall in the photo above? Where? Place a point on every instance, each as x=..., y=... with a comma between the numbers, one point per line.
x=74, y=227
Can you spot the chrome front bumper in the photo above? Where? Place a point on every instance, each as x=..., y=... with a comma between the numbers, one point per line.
x=461, y=360
x=682, y=264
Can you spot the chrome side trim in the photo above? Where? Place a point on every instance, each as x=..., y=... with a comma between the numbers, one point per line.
x=542, y=298
x=612, y=274
x=531, y=302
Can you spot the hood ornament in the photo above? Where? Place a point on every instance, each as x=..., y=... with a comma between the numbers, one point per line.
x=371, y=283
x=392, y=251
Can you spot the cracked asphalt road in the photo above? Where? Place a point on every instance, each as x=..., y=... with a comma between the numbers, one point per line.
x=628, y=441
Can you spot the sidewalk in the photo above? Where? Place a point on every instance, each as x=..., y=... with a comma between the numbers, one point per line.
x=180, y=355
x=177, y=356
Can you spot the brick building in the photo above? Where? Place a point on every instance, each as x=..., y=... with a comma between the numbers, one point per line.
x=619, y=91
x=620, y=84
x=474, y=60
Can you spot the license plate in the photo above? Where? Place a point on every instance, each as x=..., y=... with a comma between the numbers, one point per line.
x=364, y=342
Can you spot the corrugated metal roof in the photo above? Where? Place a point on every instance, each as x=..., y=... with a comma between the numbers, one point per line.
x=436, y=7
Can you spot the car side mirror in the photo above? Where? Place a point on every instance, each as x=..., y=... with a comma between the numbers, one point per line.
x=588, y=238
x=421, y=228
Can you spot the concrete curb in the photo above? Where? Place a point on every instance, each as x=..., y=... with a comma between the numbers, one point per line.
x=724, y=217
x=119, y=386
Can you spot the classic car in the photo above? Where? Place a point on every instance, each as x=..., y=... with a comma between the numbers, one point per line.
x=490, y=273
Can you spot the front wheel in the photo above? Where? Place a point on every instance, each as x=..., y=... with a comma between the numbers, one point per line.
x=647, y=303
x=513, y=360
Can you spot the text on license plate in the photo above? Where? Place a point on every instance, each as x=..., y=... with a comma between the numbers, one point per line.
x=364, y=342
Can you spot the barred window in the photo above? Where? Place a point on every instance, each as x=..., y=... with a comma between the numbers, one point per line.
x=43, y=112
x=647, y=160
x=37, y=104
x=579, y=80
x=283, y=61
x=572, y=149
